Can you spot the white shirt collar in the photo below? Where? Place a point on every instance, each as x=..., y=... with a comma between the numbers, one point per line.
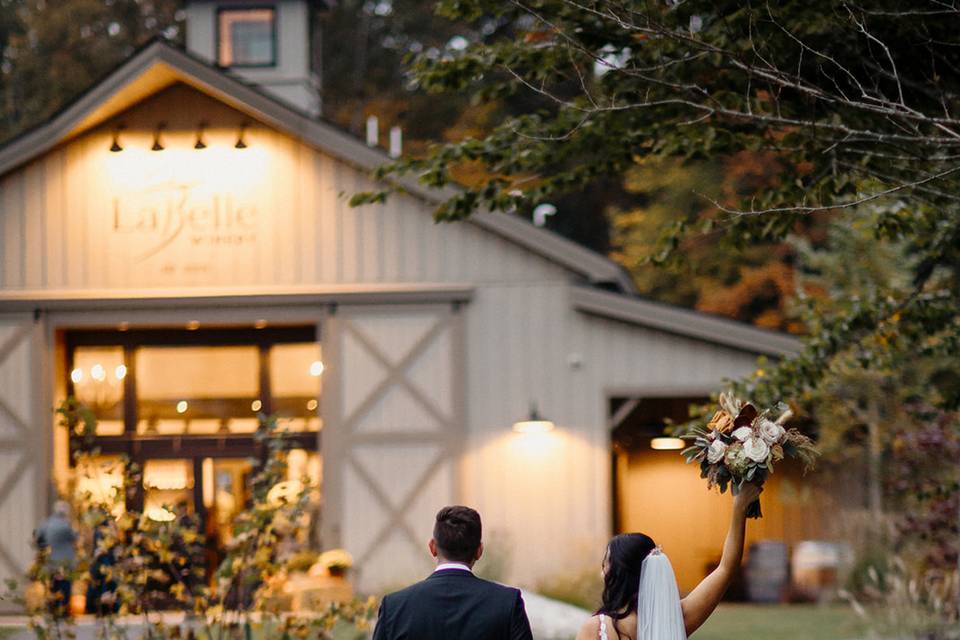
x=443, y=566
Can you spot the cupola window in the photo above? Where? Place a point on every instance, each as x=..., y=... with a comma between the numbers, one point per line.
x=246, y=37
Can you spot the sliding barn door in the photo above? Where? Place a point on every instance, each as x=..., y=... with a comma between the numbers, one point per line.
x=394, y=424
x=23, y=445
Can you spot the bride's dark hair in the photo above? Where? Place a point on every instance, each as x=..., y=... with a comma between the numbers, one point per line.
x=621, y=584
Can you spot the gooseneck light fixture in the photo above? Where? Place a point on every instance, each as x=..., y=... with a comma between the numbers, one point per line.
x=157, y=144
x=200, y=144
x=115, y=146
x=241, y=143
x=535, y=423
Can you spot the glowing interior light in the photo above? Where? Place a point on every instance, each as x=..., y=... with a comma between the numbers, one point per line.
x=316, y=368
x=76, y=375
x=255, y=405
x=159, y=514
x=182, y=406
x=311, y=405
x=98, y=373
x=120, y=372
x=667, y=444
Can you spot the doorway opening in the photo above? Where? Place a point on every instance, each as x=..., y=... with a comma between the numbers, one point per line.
x=185, y=406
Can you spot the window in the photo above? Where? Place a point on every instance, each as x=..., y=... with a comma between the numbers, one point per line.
x=246, y=37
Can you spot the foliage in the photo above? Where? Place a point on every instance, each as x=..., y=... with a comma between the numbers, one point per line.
x=905, y=603
x=854, y=104
x=53, y=50
x=927, y=493
x=579, y=588
x=753, y=285
x=148, y=565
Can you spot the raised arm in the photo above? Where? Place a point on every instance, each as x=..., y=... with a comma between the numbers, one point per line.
x=700, y=603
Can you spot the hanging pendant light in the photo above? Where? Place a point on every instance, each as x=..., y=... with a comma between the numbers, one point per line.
x=157, y=145
x=535, y=423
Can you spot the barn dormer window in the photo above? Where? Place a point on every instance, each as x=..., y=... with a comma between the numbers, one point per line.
x=247, y=37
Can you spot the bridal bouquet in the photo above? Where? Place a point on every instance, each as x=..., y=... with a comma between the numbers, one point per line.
x=740, y=444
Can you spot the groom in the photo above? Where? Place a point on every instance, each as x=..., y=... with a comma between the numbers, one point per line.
x=454, y=604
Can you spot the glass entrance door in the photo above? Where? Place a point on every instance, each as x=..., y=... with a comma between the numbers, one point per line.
x=185, y=406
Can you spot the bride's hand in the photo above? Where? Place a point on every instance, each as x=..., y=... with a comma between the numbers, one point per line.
x=749, y=492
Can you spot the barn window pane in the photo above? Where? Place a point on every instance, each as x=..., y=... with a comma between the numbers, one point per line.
x=197, y=390
x=296, y=371
x=247, y=38
x=98, y=377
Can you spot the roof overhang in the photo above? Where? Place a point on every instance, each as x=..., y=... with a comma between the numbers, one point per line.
x=691, y=324
x=160, y=65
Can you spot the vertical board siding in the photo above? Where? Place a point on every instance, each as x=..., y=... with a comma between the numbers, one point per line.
x=57, y=217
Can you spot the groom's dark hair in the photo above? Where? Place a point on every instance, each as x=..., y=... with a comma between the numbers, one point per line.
x=457, y=533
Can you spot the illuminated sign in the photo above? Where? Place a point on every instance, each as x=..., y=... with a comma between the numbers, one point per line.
x=183, y=215
x=170, y=211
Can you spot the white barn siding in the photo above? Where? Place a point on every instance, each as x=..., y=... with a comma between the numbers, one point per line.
x=59, y=206
x=545, y=500
x=552, y=493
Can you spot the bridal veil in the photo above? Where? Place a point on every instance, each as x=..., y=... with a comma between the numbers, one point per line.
x=659, y=616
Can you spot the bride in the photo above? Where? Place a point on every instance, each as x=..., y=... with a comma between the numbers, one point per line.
x=640, y=596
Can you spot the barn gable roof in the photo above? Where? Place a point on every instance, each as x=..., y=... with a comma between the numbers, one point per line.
x=693, y=324
x=159, y=65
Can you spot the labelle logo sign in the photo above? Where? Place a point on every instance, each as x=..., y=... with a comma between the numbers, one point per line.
x=175, y=213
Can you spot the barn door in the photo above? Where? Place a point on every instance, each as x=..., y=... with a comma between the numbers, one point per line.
x=392, y=430
x=23, y=444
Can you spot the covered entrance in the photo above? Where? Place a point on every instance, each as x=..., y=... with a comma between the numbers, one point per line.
x=184, y=406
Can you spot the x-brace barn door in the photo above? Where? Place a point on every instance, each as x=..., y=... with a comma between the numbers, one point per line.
x=393, y=429
x=23, y=444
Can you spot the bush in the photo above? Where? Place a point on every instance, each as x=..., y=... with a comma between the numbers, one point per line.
x=581, y=589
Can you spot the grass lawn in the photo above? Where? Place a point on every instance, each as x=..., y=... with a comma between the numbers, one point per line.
x=782, y=622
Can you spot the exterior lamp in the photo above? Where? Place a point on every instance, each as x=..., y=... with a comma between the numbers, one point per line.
x=667, y=444
x=534, y=423
x=200, y=144
x=157, y=145
x=115, y=146
x=241, y=143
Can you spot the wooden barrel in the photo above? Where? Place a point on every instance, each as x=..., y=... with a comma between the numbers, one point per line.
x=768, y=571
x=814, y=567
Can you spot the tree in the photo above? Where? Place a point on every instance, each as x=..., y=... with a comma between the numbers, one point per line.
x=854, y=103
x=53, y=50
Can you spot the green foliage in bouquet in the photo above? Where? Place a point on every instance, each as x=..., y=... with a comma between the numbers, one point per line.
x=740, y=444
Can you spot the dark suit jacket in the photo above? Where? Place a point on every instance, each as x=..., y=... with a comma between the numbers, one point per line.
x=453, y=605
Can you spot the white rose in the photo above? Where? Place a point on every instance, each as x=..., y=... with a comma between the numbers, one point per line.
x=771, y=432
x=743, y=434
x=756, y=449
x=716, y=451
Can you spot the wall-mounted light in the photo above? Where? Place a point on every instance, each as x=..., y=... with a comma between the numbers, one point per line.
x=535, y=423
x=200, y=144
x=241, y=143
x=115, y=147
x=667, y=444
x=157, y=145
